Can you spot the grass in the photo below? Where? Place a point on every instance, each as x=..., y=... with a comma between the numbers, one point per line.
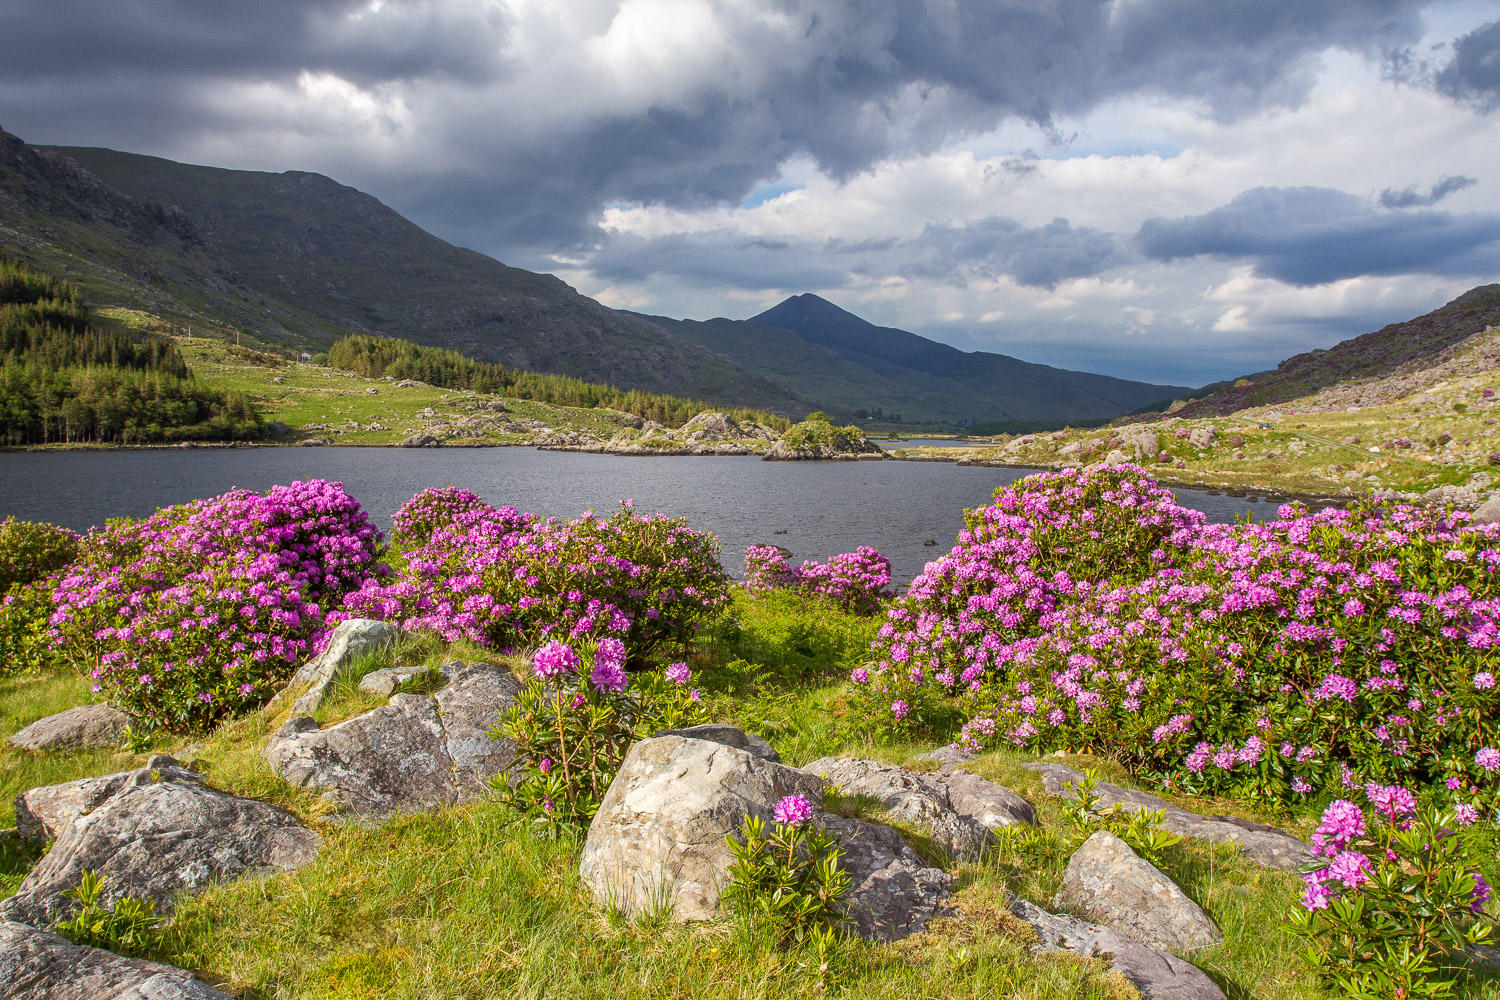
x=463, y=902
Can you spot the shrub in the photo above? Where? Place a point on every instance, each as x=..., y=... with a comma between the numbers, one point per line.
x=1393, y=905
x=572, y=730
x=30, y=550
x=788, y=881
x=1291, y=659
x=196, y=612
x=856, y=581
x=502, y=578
x=24, y=642
x=429, y=510
x=815, y=433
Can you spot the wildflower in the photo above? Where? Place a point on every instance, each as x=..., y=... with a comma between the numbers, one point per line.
x=900, y=708
x=553, y=659
x=1343, y=822
x=793, y=809
x=1488, y=758
x=1480, y=895
x=678, y=673
x=1484, y=680
x=1466, y=814
x=859, y=675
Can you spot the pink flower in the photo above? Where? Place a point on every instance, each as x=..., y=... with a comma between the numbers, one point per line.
x=1488, y=758
x=678, y=673
x=899, y=708
x=553, y=659
x=793, y=809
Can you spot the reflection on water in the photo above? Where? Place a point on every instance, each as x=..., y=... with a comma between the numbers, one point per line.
x=815, y=509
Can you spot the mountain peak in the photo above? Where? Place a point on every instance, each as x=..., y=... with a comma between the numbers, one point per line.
x=799, y=311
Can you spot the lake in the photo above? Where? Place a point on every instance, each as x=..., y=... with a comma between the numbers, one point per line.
x=815, y=509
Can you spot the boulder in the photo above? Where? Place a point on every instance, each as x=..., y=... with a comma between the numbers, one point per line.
x=1265, y=845
x=43, y=813
x=1488, y=512
x=658, y=839
x=421, y=441
x=1156, y=974
x=1109, y=883
x=351, y=639
x=383, y=683
x=729, y=736
x=40, y=965
x=658, y=836
x=958, y=808
x=87, y=727
x=1142, y=442
x=161, y=834
x=415, y=753
x=906, y=796
x=1202, y=437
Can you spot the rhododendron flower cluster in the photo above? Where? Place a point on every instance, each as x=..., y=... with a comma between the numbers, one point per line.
x=857, y=581
x=498, y=577
x=1301, y=657
x=198, y=611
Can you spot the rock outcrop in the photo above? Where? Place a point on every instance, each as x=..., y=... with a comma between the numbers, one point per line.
x=413, y=754
x=1109, y=883
x=1265, y=845
x=658, y=839
x=962, y=827
x=350, y=640
x=161, y=833
x=1156, y=974
x=40, y=965
x=43, y=813
x=87, y=727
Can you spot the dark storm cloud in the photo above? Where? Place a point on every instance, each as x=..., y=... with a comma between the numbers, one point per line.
x=1473, y=75
x=1309, y=236
x=176, y=41
x=849, y=84
x=953, y=255
x=1410, y=197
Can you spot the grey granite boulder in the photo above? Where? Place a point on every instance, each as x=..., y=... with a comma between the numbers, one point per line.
x=892, y=891
x=87, y=727
x=40, y=965
x=351, y=639
x=1156, y=974
x=1109, y=883
x=658, y=836
x=658, y=839
x=415, y=753
x=717, y=732
x=1487, y=512
x=43, y=813
x=384, y=682
x=162, y=833
x=1265, y=845
x=958, y=808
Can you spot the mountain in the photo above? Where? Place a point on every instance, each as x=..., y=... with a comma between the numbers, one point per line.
x=300, y=258
x=821, y=351
x=1394, y=351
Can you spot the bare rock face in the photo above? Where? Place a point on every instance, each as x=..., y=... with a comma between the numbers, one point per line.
x=716, y=732
x=414, y=754
x=658, y=838
x=162, y=833
x=1157, y=974
x=384, y=682
x=353, y=638
x=1265, y=845
x=40, y=965
x=1109, y=883
x=959, y=808
x=43, y=813
x=87, y=727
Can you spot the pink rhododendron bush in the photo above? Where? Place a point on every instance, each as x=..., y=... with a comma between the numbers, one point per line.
x=498, y=577
x=856, y=581
x=197, y=612
x=1294, y=659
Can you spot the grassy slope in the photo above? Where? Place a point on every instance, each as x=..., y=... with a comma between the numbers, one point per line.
x=461, y=903
x=1320, y=443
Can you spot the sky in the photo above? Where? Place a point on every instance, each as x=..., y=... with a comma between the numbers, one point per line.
x=1169, y=190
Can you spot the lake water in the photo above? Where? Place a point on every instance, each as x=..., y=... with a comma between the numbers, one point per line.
x=815, y=509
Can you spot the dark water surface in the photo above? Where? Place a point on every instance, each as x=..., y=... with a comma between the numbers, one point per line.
x=822, y=507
